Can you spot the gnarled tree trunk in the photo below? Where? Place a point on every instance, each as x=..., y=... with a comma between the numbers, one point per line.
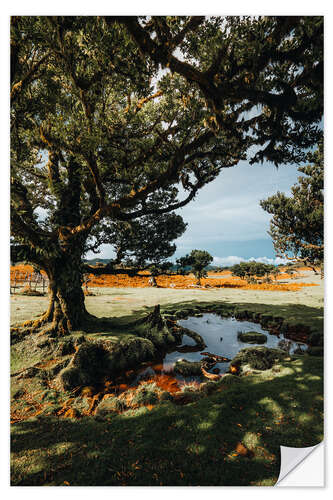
x=66, y=310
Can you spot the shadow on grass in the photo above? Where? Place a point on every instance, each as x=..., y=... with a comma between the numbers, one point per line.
x=194, y=444
x=294, y=315
x=179, y=445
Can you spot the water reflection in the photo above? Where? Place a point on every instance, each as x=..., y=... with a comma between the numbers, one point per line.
x=220, y=336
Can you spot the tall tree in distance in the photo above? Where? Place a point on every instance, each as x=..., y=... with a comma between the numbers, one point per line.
x=141, y=243
x=199, y=260
x=297, y=225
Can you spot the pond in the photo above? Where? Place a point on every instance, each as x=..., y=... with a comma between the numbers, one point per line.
x=220, y=336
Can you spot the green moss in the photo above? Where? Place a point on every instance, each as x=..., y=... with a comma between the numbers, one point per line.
x=228, y=380
x=187, y=368
x=165, y=396
x=146, y=394
x=252, y=337
x=109, y=406
x=258, y=358
x=208, y=387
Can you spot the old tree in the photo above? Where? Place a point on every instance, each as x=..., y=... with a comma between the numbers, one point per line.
x=114, y=119
x=297, y=224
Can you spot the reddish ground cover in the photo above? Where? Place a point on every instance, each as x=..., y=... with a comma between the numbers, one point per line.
x=222, y=280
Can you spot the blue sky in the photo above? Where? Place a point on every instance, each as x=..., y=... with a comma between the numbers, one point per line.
x=225, y=218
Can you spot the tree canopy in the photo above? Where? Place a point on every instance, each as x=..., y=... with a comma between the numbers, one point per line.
x=251, y=270
x=297, y=225
x=144, y=242
x=113, y=119
x=198, y=260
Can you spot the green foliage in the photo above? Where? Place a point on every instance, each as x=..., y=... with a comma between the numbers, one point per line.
x=249, y=270
x=143, y=243
x=93, y=141
x=198, y=260
x=258, y=358
x=252, y=337
x=297, y=225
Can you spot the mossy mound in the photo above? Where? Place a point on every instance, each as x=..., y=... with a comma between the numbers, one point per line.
x=208, y=387
x=146, y=394
x=110, y=406
x=187, y=368
x=228, y=379
x=154, y=327
x=257, y=358
x=94, y=360
x=252, y=337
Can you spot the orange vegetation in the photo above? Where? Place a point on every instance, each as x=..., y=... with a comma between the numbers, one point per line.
x=223, y=280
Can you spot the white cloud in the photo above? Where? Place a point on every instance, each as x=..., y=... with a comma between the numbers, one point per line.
x=233, y=259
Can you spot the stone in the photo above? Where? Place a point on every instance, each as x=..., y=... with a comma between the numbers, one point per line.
x=252, y=337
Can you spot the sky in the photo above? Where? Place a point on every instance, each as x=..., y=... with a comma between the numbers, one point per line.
x=226, y=219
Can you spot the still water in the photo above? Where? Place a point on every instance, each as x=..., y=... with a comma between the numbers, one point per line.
x=220, y=336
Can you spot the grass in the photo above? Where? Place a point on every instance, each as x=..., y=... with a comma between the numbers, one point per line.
x=179, y=445
x=169, y=444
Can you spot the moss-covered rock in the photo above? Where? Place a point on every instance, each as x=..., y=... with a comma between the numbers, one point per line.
x=187, y=368
x=71, y=377
x=195, y=336
x=146, y=394
x=110, y=406
x=252, y=337
x=91, y=359
x=257, y=358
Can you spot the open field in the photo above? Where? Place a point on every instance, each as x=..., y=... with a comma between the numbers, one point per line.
x=120, y=301
x=208, y=441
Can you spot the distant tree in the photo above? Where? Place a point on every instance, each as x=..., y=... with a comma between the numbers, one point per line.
x=199, y=260
x=251, y=270
x=141, y=243
x=183, y=265
x=297, y=225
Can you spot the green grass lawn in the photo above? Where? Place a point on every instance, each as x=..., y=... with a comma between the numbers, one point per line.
x=180, y=445
x=170, y=444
